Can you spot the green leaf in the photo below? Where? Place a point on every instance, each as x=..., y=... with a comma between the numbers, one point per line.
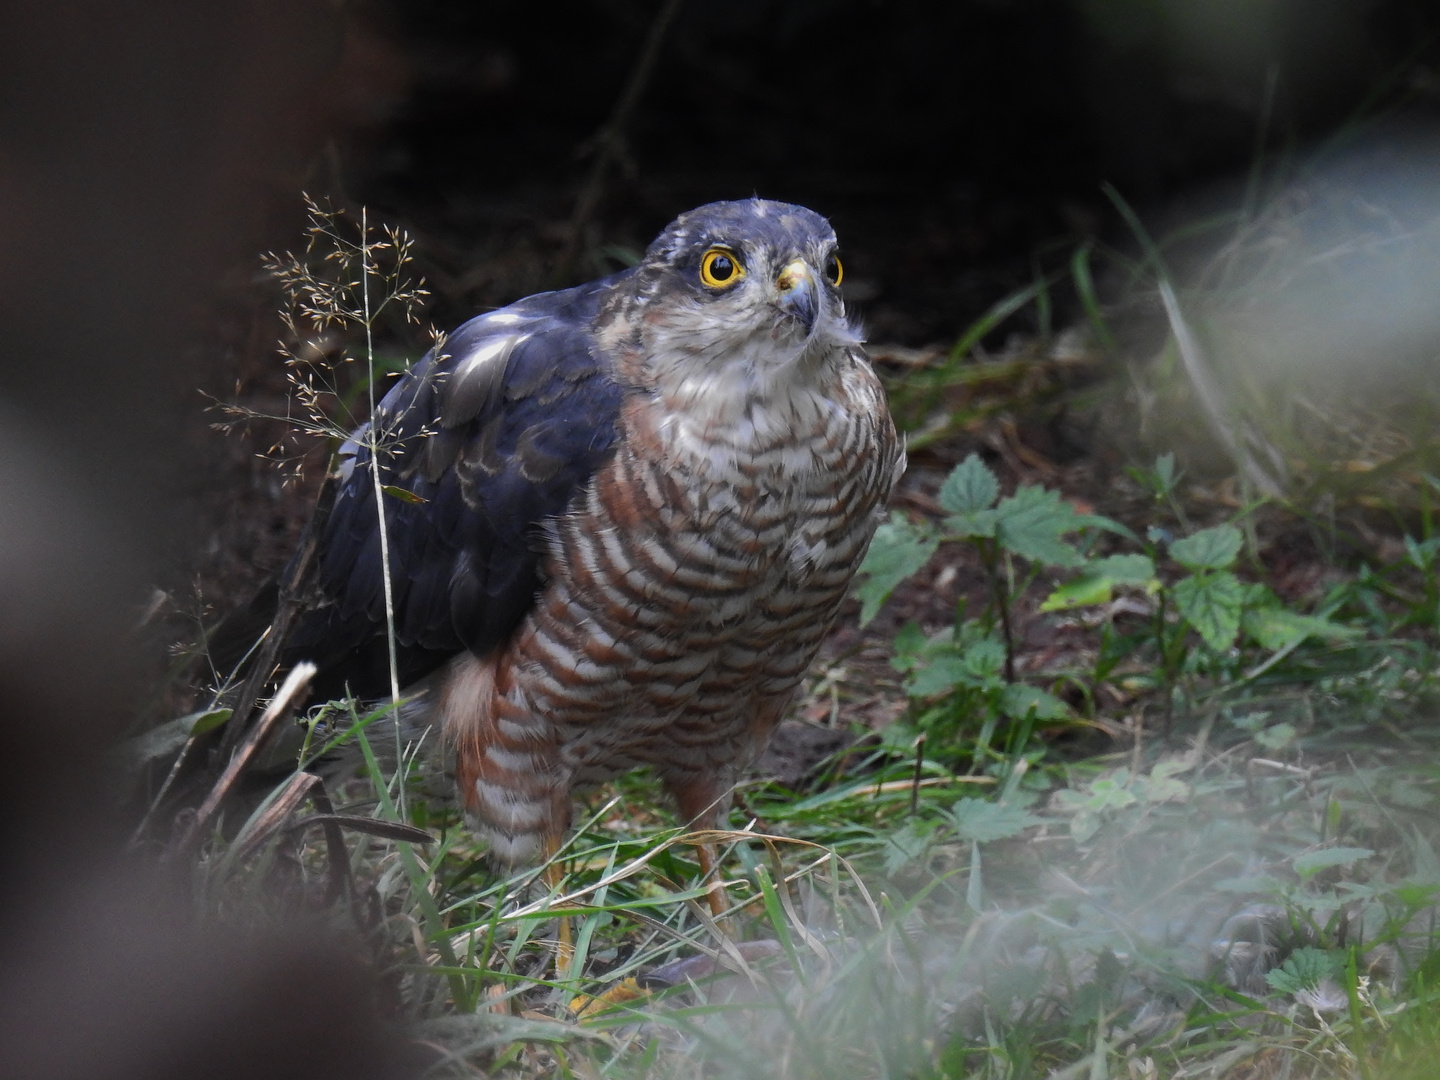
x=1209, y=549
x=1111, y=793
x=1017, y=700
x=1211, y=603
x=1096, y=584
x=985, y=660
x=908, y=843
x=1304, y=969
x=1276, y=737
x=1312, y=862
x=1161, y=785
x=977, y=667
x=974, y=885
x=1084, y=591
x=910, y=645
x=966, y=526
x=1251, y=722
x=898, y=550
x=1165, y=471
x=1277, y=628
x=167, y=738
x=404, y=495
x=1031, y=522
x=942, y=674
x=981, y=820
x=970, y=487
x=1124, y=569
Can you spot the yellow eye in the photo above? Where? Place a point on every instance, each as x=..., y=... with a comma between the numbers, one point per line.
x=720, y=268
x=834, y=272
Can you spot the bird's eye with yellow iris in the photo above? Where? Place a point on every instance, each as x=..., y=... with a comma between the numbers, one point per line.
x=720, y=268
x=833, y=270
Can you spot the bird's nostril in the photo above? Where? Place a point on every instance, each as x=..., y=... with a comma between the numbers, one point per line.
x=795, y=275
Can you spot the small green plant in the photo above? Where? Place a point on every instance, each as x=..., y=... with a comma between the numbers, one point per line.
x=1205, y=624
x=972, y=669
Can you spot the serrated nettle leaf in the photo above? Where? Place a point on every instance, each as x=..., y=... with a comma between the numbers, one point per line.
x=1030, y=524
x=1111, y=793
x=985, y=659
x=909, y=646
x=980, y=523
x=1305, y=968
x=899, y=550
x=940, y=675
x=1208, y=549
x=1259, y=596
x=981, y=820
x=908, y=843
x=1312, y=862
x=970, y=487
x=1211, y=603
x=901, y=735
x=1416, y=896
x=1018, y=701
x=1277, y=628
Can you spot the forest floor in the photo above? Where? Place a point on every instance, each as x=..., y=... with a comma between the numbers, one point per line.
x=1133, y=779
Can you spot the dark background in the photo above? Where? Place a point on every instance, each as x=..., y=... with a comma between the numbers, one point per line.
x=948, y=142
x=150, y=151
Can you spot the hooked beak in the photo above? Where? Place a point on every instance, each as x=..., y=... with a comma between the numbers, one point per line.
x=798, y=295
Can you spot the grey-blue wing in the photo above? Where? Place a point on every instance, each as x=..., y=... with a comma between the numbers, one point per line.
x=488, y=436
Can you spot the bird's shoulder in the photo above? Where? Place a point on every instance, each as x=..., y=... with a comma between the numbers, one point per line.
x=488, y=436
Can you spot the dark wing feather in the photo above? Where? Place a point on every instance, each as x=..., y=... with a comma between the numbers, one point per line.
x=493, y=434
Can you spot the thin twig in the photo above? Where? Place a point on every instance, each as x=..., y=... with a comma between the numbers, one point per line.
x=291, y=692
x=375, y=450
x=610, y=139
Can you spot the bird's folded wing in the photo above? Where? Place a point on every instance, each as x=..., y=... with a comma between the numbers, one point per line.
x=489, y=435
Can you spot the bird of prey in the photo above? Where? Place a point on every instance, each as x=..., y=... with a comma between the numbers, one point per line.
x=620, y=518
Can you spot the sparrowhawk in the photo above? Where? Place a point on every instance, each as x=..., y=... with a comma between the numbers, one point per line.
x=621, y=517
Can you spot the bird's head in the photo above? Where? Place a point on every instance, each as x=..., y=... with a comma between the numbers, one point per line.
x=736, y=299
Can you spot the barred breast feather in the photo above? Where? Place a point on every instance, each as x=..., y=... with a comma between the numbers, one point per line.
x=687, y=594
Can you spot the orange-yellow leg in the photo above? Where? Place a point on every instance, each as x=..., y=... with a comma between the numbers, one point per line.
x=702, y=801
x=565, y=941
x=710, y=875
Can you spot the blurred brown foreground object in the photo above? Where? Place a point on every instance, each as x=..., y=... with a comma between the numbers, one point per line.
x=133, y=142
